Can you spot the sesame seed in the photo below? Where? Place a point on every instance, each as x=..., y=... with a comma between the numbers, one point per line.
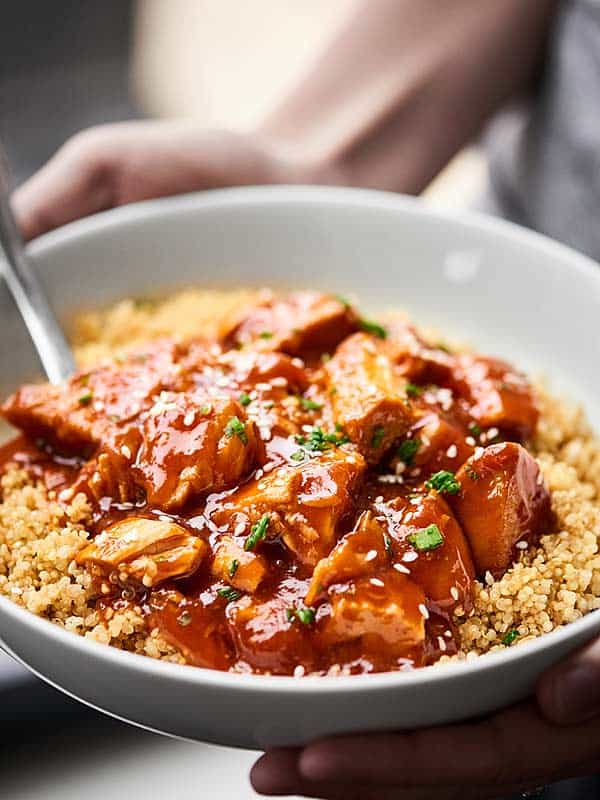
x=522, y=545
x=307, y=428
x=377, y=582
x=259, y=474
x=470, y=441
x=371, y=555
x=379, y=498
x=239, y=529
x=264, y=387
x=409, y=556
x=299, y=671
x=279, y=381
x=442, y=644
x=270, y=465
x=125, y=451
x=401, y=568
x=390, y=479
x=297, y=362
x=452, y=451
x=423, y=611
x=492, y=433
x=189, y=418
x=454, y=592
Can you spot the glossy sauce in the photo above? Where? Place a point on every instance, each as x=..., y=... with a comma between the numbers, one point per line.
x=327, y=433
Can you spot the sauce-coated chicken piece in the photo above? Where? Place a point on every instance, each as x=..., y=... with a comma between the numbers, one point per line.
x=241, y=569
x=383, y=612
x=444, y=571
x=192, y=444
x=185, y=445
x=499, y=396
x=300, y=323
x=267, y=633
x=87, y=410
x=441, y=443
x=503, y=500
x=369, y=400
x=148, y=551
x=360, y=552
x=442, y=565
x=303, y=504
x=414, y=358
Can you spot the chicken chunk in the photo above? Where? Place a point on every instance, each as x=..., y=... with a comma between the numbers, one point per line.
x=193, y=444
x=499, y=396
x=383, y=612
x=441, y=444
x=300, y=323
x=427, y=543
x=303, y=504
x=414, y=358
x=503, y=501
x=148, y=551
x=360, y=552
x=369, y=400
x=87, y=410
x=241, y=569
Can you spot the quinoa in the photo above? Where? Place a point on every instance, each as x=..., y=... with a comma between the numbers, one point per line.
x=550, y=585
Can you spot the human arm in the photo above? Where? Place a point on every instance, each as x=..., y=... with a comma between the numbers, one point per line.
x=400, y=88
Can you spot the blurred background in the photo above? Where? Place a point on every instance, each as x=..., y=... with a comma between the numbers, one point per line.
x=69, y=64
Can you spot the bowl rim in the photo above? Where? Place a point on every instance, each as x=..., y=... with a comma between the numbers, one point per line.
x=293, y=195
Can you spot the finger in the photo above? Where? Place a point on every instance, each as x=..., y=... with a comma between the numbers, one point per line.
x=570, y=692
x=277, y=773
x=77, y=181
x=514, y=747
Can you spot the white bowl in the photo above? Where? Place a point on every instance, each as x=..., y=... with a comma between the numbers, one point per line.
x=508, y=291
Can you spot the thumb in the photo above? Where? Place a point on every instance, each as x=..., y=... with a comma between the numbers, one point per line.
x=569, y=693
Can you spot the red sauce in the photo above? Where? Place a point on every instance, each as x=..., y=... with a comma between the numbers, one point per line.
x=286, y=512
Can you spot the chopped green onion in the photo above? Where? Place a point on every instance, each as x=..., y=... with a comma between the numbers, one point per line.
x=377, y=438
x=387, y=543
x=229, y=593
x=472, y=474
x=184, y=618
x=266, y=335
x=304, y=615
x=257, y=533
x=408, y=450
x=299, y=455
x=245, y=399
x=510, y=636
x=474, y=429
x=309, y=405
x=325, y=357
x=318, y=440
x=85, y=399
x=206, y=409
x=412, y=390
x=235, y=427
x=428, y=538
x=342, y=300
x=233, y=567
x=374, y=328
x=443, y=482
